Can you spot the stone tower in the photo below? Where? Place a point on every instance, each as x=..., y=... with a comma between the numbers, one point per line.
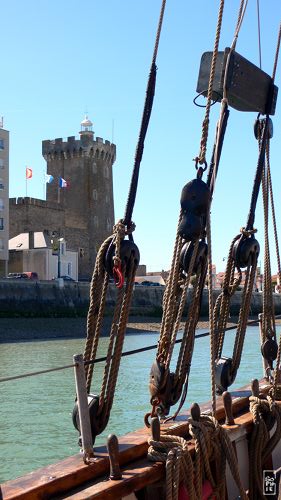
x=87, y=201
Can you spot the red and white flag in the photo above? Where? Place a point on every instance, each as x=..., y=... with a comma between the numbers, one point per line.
x=28, y=173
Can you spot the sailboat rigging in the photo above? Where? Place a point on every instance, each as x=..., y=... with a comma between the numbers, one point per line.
x=222, y=449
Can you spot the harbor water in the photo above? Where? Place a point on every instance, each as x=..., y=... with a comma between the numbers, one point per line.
x=36, y=425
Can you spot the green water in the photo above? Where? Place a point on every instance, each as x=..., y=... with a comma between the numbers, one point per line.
x=35, y=413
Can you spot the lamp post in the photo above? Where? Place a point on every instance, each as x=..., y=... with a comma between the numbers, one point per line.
x=57, y=243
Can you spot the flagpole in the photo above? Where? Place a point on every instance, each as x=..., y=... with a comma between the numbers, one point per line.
x=25, y=183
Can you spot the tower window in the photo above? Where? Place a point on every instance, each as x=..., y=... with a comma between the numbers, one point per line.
x=1, y=223
x=106, y=171
x=81, y=252
x=1, y=163
x=109, y=225
x=1, y=204
x=1, y=244
x=94, y=168
x=1, y=185
x=2, y=144
x=95, y=194
x=96, y=221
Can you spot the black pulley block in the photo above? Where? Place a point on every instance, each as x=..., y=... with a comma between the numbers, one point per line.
x=245, y=251
x=157, y=378
x=128, y=249
x=98, y=422
x=269, y=350
x=223, y=378
x=195, y=197
x=258, y=128
x=186, y=255
x=190, y=227
x=168, y=397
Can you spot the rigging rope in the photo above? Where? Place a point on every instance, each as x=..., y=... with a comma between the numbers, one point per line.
x=205, y=125
x=117, y=257
x=189, y=258
x=240, y=257
x=213, y=449
x=124, y=354
x=144, y=123
x=266, y=417
x=259, y=30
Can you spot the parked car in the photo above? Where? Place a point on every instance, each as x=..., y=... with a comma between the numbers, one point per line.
x=150, y=283
x=67, y=278
x=16, y=276
x=31, y=275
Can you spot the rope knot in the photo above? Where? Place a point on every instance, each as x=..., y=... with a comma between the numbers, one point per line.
x=119, y=229
x=248, y=232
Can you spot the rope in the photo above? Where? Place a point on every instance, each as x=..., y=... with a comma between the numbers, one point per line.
x=211, y=316
x=258, y=176
x=241, y=14
x=276, y=54
x=211, y=444
x=103, y=358
x=205, y=125
x=173, y=451
x=268, y=323
x=259, y=31
x=144, y=124
x=265, y=412
x=212, y=441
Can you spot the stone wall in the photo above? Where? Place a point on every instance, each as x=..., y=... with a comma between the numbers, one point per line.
x=28, y=298
x=30, y=214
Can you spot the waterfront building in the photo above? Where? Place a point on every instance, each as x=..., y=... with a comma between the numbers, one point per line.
x=42, y=254
x=79, y=202
x=4, y=199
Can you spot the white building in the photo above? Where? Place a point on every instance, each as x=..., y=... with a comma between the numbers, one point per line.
x=33, y=252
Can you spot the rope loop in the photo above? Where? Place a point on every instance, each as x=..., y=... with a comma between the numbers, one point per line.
x=248, y=232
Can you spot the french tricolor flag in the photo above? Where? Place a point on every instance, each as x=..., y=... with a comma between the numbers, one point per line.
x=63, y=183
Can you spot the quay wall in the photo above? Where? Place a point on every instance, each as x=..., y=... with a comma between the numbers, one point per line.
x=48, y=299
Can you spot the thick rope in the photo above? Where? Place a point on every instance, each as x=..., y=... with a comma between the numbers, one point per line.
x=144, y=123
x=212, y=444
x=173, y=451
x=211, y=316
x=265, y=412
x=222, y=305
x=205, y=125
x=211, y=440
x=276, y=54
x=268, y=321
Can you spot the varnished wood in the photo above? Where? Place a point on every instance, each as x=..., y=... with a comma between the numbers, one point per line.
x=155, y=429
x=195, y=412
x=57, y=479
x=113, y=455
x=227, y=403
x=255, y=387
x=134, y=477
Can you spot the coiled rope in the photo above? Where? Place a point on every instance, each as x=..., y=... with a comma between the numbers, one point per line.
x=266, y=414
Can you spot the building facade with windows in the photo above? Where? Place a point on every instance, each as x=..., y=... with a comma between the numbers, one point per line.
x=4, y=200
x=82, y=212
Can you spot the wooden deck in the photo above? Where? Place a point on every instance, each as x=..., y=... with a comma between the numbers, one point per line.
x=71, y=478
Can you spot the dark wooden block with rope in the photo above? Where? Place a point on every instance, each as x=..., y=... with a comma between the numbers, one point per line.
x=248, y=87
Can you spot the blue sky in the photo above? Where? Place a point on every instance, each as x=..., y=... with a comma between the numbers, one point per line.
x=61, y=58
